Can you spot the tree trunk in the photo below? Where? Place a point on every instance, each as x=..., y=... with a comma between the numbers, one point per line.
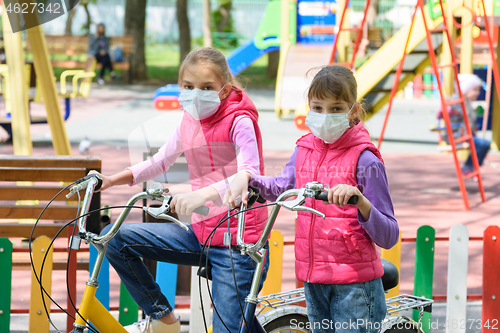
x=184, y=30
x=207, y=22
x=69, y=21
x=225, y=16
x=273, y=61
x=87, y=26
x=135, y=22
x=372, y=13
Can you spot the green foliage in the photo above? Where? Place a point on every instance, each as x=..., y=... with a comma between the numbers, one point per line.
x=221, y=40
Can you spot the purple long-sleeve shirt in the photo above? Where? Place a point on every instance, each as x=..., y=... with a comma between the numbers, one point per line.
x=381, y=226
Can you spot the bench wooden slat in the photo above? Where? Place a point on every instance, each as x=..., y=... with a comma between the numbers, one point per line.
x=41, y=174
x=44, y=193
x=24, y=230
x=56, y=265
x=32, y=212
x=88, y=162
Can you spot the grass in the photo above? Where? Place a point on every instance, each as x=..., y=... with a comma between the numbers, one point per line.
x=162, y=67
x=163, y=61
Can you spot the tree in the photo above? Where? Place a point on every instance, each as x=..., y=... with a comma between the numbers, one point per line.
x=71, y=13
x=135, y=22
x=184, y=30
x=273, y=60
x=207, y=31
x=223, y=18
x=86, y=26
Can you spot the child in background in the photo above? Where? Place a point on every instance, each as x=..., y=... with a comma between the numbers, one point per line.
x=470, y=84
x=336, y=257
x=219, y=136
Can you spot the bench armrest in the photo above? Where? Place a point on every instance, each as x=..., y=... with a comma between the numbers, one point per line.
x=67, y=73
x=85, y=75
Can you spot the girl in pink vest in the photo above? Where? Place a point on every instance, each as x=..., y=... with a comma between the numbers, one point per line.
x=219, y=136
x=336, y=257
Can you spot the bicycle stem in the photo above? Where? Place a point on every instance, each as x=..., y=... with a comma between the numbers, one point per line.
x=121, y=218
x=252, y=249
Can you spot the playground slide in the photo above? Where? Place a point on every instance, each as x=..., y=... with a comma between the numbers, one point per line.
x=301, y=57
x=267, y=39
x=376, y=76
x=245, y=55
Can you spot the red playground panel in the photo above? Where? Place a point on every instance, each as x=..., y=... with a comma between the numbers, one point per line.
x=166, y=103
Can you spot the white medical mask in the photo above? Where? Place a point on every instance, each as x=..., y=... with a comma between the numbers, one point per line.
x=200, y=104
x=328, y=127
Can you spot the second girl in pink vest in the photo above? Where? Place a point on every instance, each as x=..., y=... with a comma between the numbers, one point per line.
x=219, y=136
x=336, y=257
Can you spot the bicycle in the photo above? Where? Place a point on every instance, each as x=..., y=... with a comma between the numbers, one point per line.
x=283, y=315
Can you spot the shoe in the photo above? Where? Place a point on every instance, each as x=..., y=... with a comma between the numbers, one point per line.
x=149, y=325
x=116, y=78
x=100, y=81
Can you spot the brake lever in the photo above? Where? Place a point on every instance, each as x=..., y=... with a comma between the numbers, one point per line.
x=173, y=219
x=299, y=200
x=159, y=213
x=296, y=204
x=310, y=210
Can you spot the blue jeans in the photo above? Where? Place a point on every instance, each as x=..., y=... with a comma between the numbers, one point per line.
x=169, y=243
x=355, y=307
x=482, y=148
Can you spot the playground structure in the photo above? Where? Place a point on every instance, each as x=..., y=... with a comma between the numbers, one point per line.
x=19, y=98
x=376, y=75
x=295, y=19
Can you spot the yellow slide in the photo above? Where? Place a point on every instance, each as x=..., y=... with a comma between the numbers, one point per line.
x=376, y=76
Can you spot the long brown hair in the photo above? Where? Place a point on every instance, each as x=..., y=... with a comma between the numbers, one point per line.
x=213, y=58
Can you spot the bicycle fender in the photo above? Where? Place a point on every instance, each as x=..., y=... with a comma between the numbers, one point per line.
x=271, y=315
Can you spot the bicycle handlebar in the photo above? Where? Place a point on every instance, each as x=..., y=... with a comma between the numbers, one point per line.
x=324, y=197
x=154, y=192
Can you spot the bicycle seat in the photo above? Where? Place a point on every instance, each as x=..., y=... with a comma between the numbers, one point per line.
x=204, y=270
x=390, y=279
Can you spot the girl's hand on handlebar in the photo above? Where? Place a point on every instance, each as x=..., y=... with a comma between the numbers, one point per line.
x=185, y=203
x=339, y=195
x=106, y=181
x=120, y=178
x=237, y=188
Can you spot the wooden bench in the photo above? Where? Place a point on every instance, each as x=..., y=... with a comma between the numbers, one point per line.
x=374, y=37
x=37, y=179
x=71, y=51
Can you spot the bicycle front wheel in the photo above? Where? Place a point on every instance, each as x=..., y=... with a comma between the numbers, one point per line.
x=288, y=323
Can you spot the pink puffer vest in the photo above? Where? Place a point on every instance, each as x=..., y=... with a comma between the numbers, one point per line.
x=336, y=250
x=211, y=157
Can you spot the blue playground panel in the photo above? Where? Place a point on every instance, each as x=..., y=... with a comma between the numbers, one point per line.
x=245, y=55
x=102, y=292
x=166, y=277
x=311, y=13
x=168, y=90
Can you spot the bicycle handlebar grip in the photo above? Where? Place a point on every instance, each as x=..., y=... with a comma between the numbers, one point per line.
x=202, y=210
x=98, y=185
x=87, y=177
x=323, y=195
